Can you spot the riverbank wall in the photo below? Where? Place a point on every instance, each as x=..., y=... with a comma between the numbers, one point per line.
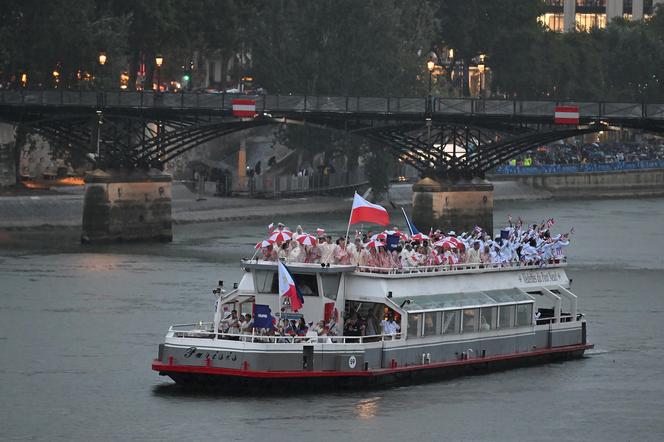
x=65, y=210
x=614, y=184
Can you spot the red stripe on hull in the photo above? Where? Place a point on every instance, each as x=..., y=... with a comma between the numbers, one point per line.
x=166, y=368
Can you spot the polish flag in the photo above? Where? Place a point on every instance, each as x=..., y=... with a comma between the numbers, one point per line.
x=287, y=288
x=365, y=212
x=566, y=115
x=243, y=107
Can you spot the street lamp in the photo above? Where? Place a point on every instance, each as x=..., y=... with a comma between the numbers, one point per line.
x=159, y=60
x=481, y=67
x=102, y=58
x=430, y=66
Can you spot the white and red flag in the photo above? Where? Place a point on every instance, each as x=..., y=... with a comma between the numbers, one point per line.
x=365, y=212
x=566, y=115
x=288, y=289
x=243, y=107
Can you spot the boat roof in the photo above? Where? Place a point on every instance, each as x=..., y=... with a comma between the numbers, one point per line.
x=455, y=301
x=298, y=267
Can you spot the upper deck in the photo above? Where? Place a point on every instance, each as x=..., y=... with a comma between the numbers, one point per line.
x=369, y=283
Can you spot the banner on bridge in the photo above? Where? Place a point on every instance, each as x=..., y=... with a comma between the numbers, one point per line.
x=566, y=115
x=244, y=107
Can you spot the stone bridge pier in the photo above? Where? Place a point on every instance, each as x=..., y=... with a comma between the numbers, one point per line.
x=459, y=206
x=127, y=206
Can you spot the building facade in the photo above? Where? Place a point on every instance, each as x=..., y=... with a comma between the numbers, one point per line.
x=583, y=15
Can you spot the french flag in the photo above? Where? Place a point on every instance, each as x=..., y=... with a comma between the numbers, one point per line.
x=287, y=288
x=365, y=212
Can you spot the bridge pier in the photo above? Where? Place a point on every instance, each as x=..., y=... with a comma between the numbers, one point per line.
x=127, y=206
x=458, y=206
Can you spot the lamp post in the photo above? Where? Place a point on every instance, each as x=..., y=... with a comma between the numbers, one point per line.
x=102, y=62
x=158, y=60
x=430, y=66
x=481, y=67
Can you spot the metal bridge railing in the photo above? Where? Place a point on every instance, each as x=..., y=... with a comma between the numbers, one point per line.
x=326, y=104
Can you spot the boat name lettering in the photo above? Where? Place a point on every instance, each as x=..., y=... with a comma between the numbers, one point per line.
x=540, y=277
x=219, y=355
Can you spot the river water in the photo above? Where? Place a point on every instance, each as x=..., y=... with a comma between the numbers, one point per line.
x=80, y=325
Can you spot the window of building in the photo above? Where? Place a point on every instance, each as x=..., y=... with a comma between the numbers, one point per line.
x=524, y=315
x=487, y=315
x=431, y=321
x=553, y=21
x=586, y=22
x=470, y=320
x=506, y=316
x=451, y=322
x=414, y=321
x=591, y=3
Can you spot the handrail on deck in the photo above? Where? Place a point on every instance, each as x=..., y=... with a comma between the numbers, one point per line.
x=447, y=268
x=208, y=333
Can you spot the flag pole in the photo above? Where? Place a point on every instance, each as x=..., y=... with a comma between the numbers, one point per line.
x=349, y=218
x=406, y=218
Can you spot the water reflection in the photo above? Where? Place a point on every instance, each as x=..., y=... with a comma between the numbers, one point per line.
x=368, y=408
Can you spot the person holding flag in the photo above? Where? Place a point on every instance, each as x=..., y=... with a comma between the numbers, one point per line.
x=288, y=289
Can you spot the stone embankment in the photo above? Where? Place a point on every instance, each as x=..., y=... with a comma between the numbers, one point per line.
x=618, y=184
x=66, y=208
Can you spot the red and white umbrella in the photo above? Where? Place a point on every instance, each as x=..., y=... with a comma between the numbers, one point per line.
x=307, y=240
x=445, y=243
x=374, y=243
x=263, y=244
x=379, y=236
x=419, y=237
x=280, y=236
x=457, y=242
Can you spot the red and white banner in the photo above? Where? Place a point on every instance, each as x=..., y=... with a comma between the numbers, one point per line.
x=365, y=212
x=287, y=288
x=243, y=107
x=566, y=115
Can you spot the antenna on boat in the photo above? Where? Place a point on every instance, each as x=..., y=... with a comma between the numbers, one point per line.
x=407, y=301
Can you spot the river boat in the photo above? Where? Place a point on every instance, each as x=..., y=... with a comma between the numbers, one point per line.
x=454, y=319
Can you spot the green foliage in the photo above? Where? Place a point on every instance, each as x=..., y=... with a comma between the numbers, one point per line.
x=379, y=165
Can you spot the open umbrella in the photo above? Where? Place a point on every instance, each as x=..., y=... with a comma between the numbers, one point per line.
x=307, y=240
x=374, y=243
x=263, y=244
x=457, y=242
x=445, y=243
x=280, y=236
x=419, y=237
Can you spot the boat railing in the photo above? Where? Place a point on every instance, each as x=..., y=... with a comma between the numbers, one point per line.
x=451, y=268
x=204, y=330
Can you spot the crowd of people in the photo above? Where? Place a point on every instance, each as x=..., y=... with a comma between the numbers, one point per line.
x=517, y=243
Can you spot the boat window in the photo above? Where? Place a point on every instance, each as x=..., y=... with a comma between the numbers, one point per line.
x=266, y=281
x=487, y=315
x=330, y=285
x=414, y=321
x=524, y=315
x=306, y=283
x=505, y=316
x=431, y=321
x=451, y=322
x=470, y=320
